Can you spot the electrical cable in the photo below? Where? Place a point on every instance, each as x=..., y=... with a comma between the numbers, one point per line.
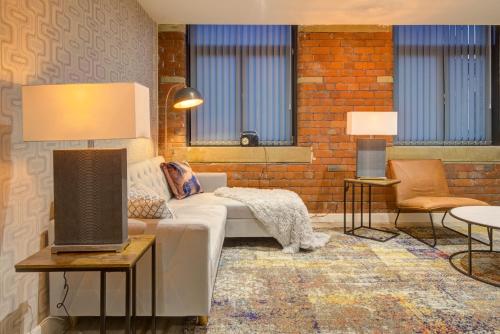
x=63, y=300
x=265, y=170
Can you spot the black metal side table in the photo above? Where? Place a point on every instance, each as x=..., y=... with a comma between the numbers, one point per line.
x=365, y=183
x=103, y=262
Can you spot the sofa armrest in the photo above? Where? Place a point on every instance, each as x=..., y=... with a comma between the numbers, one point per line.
x=211, y=181
x=184, y=266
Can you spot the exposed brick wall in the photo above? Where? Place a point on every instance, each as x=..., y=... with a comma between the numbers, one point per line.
x=171, y=64
x=481, y=181
x=337, y=72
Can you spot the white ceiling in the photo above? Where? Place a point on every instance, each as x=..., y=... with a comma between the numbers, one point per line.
x=384, y=12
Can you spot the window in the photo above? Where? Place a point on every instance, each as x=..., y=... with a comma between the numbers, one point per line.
x=442, y=88
x=246, y=76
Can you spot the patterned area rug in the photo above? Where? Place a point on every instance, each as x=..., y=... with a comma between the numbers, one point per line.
x=353, y=285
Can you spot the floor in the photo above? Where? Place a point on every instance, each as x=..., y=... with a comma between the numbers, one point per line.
x=353, y=285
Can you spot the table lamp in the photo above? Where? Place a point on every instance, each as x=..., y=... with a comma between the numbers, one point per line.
x=370, y=152
x=90, y=185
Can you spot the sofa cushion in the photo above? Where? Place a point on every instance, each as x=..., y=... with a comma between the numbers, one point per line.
x=145, y=202
x=235, y=209
x=214, y=217
x=149, y=173
x=181, y=179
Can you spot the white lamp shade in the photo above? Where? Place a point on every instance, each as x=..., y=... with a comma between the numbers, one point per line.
x=372, y=123
x=85, y=111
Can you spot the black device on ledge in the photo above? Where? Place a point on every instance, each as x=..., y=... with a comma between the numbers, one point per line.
x=249, y=138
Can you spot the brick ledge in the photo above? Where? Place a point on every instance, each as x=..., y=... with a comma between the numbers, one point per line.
x=236, y=154
x=450, y=154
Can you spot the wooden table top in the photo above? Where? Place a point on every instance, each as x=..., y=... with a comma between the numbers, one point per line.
x=44, y=260
x=374, y=182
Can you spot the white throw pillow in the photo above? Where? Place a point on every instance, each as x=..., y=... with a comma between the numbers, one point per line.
x=145, y=203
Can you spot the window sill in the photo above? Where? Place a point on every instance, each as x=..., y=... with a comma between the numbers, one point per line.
x=284, y=154
x=450, y=154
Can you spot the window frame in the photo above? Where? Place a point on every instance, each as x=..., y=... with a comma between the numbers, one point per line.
x=294, y=32
x=494, y=84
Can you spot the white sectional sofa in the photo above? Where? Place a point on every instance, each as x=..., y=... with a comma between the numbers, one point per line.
x=189, y=249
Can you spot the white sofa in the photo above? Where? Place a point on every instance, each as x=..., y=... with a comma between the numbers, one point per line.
x=188, y=249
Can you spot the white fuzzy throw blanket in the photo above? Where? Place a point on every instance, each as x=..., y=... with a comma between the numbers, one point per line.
x=283, y=214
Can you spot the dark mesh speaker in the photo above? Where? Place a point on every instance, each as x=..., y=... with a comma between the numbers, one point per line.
x=90, y=197
x=370, y=158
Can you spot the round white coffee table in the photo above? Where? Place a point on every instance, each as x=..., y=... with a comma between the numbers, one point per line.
x=486, y=216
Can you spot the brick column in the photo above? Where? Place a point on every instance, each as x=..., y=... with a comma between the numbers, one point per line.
x=171, y=71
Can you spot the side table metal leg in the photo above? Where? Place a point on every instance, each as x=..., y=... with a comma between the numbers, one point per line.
x=127, y=301
x=134, y=298
x=345, y=206
x=370, y=206
x=153, y=287
x=470, y=248
x=353, y=190
x=103, y=302
x=361, y=204
x=490, y=236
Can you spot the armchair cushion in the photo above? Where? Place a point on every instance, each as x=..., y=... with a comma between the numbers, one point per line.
x=424, y=186
x=419, y=178
x=430, y=203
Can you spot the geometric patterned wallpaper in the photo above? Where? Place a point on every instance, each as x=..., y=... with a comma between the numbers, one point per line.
x=57, y=41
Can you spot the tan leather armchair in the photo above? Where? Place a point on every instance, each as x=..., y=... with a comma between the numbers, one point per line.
x=424, y=188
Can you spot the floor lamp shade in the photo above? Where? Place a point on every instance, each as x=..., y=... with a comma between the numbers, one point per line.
x=90, y=185
x=371, y=153
x=85, y=111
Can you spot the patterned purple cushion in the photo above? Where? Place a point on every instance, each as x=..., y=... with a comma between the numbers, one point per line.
x=181, y=179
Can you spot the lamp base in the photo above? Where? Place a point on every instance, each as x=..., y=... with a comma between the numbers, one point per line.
x=370, y=158
x=90, y=200
x=54, y=249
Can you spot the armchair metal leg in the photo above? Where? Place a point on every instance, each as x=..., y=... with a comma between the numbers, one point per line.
x=465, y=235
x=490, y=236
x=433, y=231
x=419, y=239
x=396, y=220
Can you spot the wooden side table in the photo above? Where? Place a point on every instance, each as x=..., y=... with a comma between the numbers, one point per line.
x=103, y=262
x=365, y=183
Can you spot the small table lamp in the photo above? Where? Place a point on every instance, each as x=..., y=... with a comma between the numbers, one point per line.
x=371, y=153
x=90, y=185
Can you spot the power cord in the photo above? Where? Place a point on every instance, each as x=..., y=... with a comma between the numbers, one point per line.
x=58, y=305
x=265, y=170
x=62, y=305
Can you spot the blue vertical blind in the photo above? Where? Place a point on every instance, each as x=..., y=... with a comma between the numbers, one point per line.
x=442, y=85
x=245, y=76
